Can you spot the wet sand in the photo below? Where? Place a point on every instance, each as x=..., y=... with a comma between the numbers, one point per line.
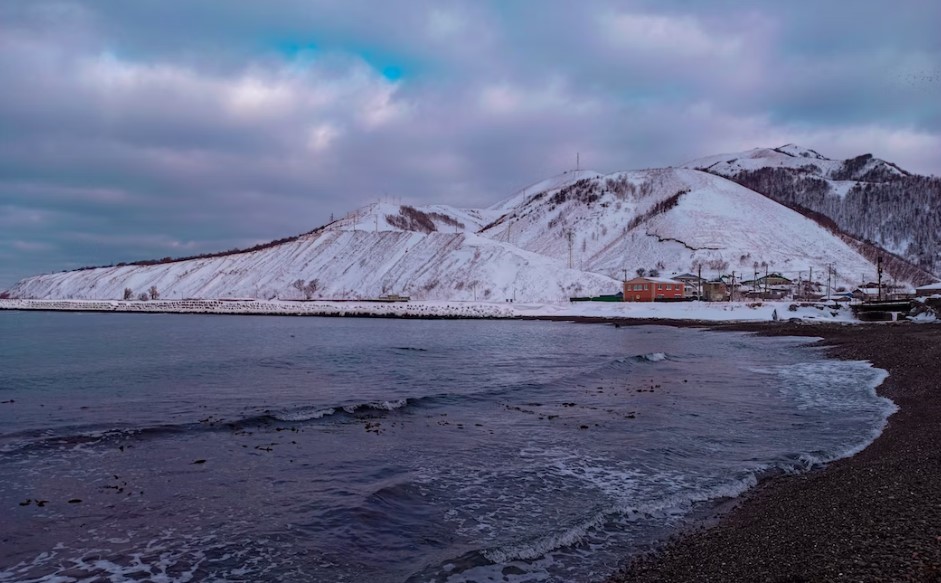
x=873, y=517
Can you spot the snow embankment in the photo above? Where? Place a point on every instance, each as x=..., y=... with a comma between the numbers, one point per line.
x=703, y=311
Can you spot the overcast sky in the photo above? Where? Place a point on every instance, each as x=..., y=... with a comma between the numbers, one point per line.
x=147, y=128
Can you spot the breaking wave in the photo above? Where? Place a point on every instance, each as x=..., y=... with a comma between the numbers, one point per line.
x=82, y=437
x=313, y=413
x=649, y=357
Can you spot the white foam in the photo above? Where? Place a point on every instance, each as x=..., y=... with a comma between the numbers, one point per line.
x=389, y=405
x=543, y=545
x=838, y=388
x=312, y=413
x=307, y=414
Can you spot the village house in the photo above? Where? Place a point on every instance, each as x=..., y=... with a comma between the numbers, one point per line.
x=929, y=290
x=889, y=292
x=866, y=293
x=649, y=289
x=715, y=291
x=691, y=284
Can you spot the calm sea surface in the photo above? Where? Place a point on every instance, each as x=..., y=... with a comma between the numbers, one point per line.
x=201, y=448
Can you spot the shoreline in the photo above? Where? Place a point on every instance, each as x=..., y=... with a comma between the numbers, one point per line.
x=873, y=516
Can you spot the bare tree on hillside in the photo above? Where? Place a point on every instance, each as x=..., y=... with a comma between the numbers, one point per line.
x=307, y=288
x=311, y=288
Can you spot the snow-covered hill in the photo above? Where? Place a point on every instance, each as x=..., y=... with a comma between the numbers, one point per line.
x=868, y=198
x=342, y=264
x=675, y=221
x=578, y=233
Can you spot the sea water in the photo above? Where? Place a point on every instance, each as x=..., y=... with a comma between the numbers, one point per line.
x=236, y=448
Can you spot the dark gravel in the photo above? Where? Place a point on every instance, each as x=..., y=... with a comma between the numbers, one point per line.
x=873, y=517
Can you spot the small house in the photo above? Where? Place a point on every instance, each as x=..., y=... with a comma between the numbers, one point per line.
x=866, y=293
x=649, y=289
x=929, y=290
x=715, y=291
x=691, y=283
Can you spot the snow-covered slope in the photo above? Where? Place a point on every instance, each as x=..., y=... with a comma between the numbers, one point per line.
x=577, y=233
x=673, y=220
x=440, y=218
x=554, y=183
x=344, y=264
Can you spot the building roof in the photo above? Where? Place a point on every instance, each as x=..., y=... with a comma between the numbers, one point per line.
x=653, y=280
x=930, y=286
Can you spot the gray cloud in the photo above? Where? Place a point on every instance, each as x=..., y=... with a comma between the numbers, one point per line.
x=132, y=130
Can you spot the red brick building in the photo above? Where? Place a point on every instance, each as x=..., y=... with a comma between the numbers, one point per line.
x=648, y=289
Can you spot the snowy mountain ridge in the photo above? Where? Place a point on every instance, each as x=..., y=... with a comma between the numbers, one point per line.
x=790, y=156
x=577, y=233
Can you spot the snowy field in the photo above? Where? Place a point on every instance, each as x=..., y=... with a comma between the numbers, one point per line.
x=712, y=312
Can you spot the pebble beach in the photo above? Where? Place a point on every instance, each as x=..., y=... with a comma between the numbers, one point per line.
x=875, y=516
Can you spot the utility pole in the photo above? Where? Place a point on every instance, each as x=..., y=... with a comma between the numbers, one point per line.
x=732, y=289
x=879, y=272
x=699, y=281
x=578, y=161
x=766, y=281
x=829, y=271
x=570, y=236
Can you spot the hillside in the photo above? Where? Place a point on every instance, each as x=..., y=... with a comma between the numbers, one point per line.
x=341, y=264
x=577, y=233
x=677, y=220
x=865, y=197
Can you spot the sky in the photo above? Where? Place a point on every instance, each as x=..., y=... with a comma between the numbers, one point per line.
x=147, y=129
